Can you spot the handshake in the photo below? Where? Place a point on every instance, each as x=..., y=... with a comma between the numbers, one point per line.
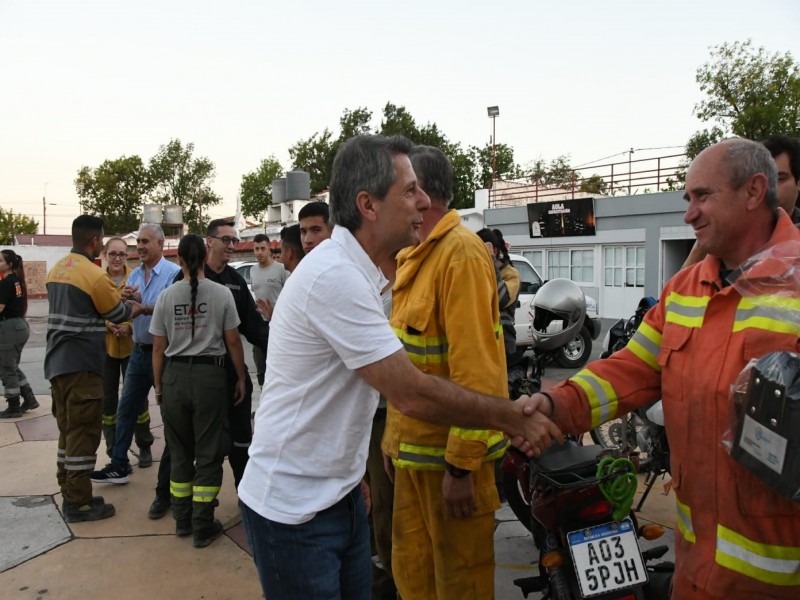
x=534, y=431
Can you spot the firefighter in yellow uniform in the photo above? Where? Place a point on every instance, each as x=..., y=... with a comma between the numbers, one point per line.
x=446, y=314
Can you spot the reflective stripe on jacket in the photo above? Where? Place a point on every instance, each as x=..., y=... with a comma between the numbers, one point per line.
x=736, y=537
x=445, y=311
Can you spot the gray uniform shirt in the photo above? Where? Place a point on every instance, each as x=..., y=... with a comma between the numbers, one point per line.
x=267, y=282
x=215, y=312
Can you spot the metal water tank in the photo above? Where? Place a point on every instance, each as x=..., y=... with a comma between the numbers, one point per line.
x=278, y=190
x=298, y=185
x=153, y=213
x=173, y=215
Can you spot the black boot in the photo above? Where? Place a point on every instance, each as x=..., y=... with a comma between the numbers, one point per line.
x=13, y=411
x=29, y=400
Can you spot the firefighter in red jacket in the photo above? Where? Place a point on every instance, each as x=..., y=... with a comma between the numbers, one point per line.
x=736, y=537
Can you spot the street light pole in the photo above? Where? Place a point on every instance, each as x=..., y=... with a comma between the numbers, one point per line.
x=493, y=112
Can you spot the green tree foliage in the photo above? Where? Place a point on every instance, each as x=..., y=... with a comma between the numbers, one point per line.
x=179, y=178
x=505, y=167
x=14, y=224
x=750, y=93
x=115, y=191
x=594, y=184
x=256, y=187
x=315, y=156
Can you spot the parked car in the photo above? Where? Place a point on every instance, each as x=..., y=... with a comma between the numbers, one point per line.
x=573, y=354
x=243, y=268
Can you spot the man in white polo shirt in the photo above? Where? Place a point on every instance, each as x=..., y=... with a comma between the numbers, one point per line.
x=331, y=350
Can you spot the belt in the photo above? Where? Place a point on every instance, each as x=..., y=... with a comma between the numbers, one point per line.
x=200, y=360
x=144, y=347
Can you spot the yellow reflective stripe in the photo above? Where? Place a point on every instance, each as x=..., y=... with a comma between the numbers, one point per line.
x=686, y=310
x=423, y=349
x=204, y=493
x=109, y=419
x=601, y=395
x=769, y=563
x=143, y=418
x=685, y=522
x=769, y=313
x=645, y=345
x=180, y=490
x=498, y=330
x=432, y=458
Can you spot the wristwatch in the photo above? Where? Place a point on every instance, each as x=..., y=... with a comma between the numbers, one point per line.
x=455, y=471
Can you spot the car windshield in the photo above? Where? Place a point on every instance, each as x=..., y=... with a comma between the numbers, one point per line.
x=529, y=281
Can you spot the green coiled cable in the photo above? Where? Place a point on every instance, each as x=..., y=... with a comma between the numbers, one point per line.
x=618, y=484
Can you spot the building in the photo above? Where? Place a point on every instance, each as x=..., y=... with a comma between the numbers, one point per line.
x=618, y=248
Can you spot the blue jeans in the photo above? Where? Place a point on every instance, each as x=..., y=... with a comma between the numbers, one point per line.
x=326, y=558
x=132, y=403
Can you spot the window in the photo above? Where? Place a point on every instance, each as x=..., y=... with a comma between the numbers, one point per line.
x=623, y=266
x=536, y=258
x=577, y=265
x=529, y=281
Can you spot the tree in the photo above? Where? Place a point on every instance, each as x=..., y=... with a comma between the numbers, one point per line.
x=504, y=165
x=256, y=188
x=115, y=191
x=594, y=184
x=315, y=156
x=749, y=93
x=178, y=178
x=14, y=224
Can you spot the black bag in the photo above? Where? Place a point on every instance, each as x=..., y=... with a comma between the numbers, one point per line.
x=768, y=433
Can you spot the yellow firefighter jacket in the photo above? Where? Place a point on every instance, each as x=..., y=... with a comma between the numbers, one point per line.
x=445, y=311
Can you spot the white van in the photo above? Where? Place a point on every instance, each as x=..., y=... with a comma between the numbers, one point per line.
x=576, y=352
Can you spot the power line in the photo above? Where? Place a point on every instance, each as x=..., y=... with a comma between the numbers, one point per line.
x=626, y=152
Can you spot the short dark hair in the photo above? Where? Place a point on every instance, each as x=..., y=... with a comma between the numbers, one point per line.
x=364, y=163
x=291, y=237
x=783, y=144
x=315, y=209
x=84, y=228
x=434, y=173
x=260, y=237
x=214, y=225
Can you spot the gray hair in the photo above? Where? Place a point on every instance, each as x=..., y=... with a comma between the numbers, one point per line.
x=434, y=173
x=745, y=158
x=155, y=228
x=364, y=163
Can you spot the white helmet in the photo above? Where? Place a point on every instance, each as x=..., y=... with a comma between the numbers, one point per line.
x=557, y=301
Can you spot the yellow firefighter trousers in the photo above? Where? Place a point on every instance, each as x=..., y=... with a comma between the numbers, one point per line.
x=434, y=556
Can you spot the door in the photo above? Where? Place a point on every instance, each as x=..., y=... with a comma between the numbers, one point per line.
x=623, y=280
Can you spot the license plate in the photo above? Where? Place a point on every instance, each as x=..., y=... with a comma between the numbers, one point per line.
x=607, y=557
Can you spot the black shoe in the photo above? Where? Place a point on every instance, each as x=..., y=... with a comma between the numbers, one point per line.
x=29, y=401
x=88, y=512
x=205, y=536
x=159, y=508
x=183, y=527
x=145, y=458
x=12, y=412
x=96, y=501
x=110, y=474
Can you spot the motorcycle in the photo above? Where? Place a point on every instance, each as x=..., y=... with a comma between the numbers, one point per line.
x=588, y=545
x=641, y=430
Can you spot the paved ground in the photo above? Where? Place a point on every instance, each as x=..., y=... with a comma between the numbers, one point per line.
x=129, y=556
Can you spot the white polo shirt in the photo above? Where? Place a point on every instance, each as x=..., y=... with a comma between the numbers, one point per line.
x=313, y=424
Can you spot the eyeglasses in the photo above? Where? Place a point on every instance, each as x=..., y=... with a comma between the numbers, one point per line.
x=117, y=255
x=226, y=239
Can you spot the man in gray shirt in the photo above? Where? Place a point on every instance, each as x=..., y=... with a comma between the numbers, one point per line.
x=267, y=279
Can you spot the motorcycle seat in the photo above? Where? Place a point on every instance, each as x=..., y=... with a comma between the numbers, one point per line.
x=569, y=456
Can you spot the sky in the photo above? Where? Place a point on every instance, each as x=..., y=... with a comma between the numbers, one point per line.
x=86, y=81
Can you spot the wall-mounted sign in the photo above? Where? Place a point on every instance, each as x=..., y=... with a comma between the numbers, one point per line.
x=561, y=218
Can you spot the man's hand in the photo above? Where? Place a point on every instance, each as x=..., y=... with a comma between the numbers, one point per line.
x=459, y=496
x=388, y=466
x=265, y=307
x=131, y=293
x=537, y=432
x=138, y=309
x=239, y=392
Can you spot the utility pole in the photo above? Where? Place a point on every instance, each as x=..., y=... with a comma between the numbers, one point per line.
x=44, y=216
